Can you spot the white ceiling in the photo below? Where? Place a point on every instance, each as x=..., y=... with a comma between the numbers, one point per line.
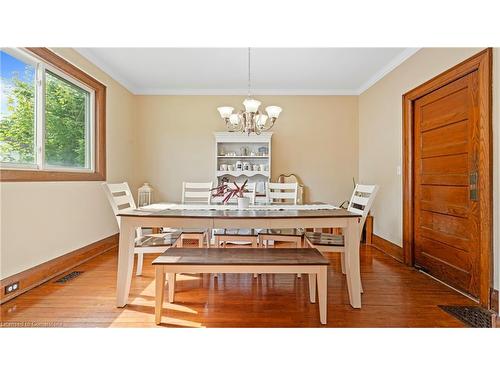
x=224, y=71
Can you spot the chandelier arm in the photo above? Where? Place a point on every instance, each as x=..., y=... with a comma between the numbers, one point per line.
x=271, y=124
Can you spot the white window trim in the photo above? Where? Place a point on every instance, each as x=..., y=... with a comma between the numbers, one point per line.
x=40, y=72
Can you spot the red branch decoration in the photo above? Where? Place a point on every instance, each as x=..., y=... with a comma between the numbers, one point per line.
x=228, y=193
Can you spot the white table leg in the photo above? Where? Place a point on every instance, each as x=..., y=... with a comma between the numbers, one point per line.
x=342, y=262
x=171, y=287
x=312, y=287
x=352, y=263
x=159, y=290
x=125, y=262
x=322, y=292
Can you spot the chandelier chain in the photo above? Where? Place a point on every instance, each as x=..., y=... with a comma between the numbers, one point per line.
x=249, y=71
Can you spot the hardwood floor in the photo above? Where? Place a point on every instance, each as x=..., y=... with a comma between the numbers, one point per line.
x=394, y=296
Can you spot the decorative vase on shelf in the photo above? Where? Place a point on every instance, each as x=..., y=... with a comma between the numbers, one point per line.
x=243, y=202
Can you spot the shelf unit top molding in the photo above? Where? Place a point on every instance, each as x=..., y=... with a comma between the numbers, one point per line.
x=243, y=173
x=235, y=137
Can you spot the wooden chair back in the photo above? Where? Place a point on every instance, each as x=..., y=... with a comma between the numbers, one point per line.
x=120, y=198
x=250, y=186
x=361, y=201
x=293, y=178
x=196, y=192
x=277, y=192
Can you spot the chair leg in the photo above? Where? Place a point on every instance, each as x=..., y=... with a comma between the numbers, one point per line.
x=140, y=260
x=171, y=287
x=207, y=238
x=254, y=244
x=217, y=244
x=298, y=242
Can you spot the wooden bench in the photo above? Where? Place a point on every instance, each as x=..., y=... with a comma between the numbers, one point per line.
x=242, y=260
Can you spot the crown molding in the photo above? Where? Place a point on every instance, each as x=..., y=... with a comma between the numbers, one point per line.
x=394, y=63
x=244, y=92
x=398, y=60
x=101, y=64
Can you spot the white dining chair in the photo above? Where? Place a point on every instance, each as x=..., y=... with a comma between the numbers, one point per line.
x=361, y=202
x=196, y=193
x=238, y=235
x=223, y=236
x=120, y=198
x=282, y=193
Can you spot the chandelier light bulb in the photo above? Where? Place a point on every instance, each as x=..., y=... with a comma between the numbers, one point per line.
x=234, y=119
x=225, y=112
x=273, y=111
x=261, y=119
x=251, y=105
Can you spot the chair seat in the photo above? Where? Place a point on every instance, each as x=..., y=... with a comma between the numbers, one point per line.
x=292, y=232
x=236, y=232
x=325, y=239
x=162, y=239
x=193, y=230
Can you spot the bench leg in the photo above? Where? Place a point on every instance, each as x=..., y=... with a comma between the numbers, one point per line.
x=312, y=287
x=171, y=287
x=160, y=288
x=322, y=292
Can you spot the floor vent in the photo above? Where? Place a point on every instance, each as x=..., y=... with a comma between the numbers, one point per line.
x=473, y=316
x=70, y=276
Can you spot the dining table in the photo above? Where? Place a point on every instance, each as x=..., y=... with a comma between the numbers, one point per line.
x=229, y=216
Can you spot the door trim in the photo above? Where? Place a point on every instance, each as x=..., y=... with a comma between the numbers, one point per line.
x=482, y=63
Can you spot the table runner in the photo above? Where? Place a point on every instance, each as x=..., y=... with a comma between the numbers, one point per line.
x=233, y=207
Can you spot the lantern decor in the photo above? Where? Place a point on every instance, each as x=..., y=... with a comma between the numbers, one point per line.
x=145, y=195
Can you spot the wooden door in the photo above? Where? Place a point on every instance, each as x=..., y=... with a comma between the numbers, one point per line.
x=446, y=212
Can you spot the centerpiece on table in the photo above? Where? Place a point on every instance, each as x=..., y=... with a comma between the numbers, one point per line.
x=224, y=190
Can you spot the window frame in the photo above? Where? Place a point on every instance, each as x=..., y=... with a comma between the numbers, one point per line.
x=67, y=71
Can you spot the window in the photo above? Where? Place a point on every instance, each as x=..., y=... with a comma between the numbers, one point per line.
x=51, y=119
x=17, y=112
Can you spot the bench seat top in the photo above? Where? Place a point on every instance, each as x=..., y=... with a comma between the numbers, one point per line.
x=241, y=256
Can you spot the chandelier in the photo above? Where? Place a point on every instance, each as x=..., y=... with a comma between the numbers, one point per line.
x=250, y=120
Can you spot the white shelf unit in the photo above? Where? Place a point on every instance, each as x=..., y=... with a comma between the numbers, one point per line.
x=228, y=143
x=243, y=173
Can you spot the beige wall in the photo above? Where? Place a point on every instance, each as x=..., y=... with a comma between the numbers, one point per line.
x=380, y=133
x=43, y=220
x=316, y=137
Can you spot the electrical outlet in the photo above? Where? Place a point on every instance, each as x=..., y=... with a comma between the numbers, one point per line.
x=11, y=287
